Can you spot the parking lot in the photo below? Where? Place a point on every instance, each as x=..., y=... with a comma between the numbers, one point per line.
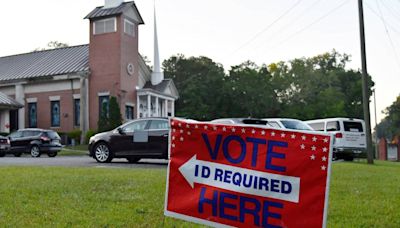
x=79, y=161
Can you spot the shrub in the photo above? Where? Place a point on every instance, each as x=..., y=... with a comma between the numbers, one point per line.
x=76, y=135
x=89, y=134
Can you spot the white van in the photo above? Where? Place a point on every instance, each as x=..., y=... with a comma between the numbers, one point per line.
x=350, y=140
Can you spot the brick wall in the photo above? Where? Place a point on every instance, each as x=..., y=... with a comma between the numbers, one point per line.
x=44, y=110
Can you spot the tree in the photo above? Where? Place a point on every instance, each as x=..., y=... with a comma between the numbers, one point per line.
x=53, y=45
x=200, y=82
x=115, y=113
x=110, y=116
x=389, y=127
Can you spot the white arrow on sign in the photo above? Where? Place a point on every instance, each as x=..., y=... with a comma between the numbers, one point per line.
x=251, y=181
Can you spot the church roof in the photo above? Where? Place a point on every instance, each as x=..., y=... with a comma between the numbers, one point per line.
x=162, y=87
x=44, y=63
x=100, y=12
x=8, y=102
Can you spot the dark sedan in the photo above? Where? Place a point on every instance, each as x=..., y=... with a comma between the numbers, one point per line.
x=141, y=138
x=35, y=141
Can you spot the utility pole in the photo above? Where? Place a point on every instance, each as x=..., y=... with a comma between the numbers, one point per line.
x=376, y=124
x=365, y=89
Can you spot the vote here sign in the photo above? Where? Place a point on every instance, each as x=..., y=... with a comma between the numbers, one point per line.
x=247, y=176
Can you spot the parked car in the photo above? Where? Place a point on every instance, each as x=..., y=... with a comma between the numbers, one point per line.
x=35, y=141
x=137, y=139
x=283, y=123
x=250, y=121
x=350, y=139
x=286, y=123
x=4, y=145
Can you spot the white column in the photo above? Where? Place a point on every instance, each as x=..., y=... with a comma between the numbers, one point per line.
x=165, y=108
x=137, y=106
x=83, y=108
x=172, y=108
x=20, y=97
x=148, y=105
x=157, y=112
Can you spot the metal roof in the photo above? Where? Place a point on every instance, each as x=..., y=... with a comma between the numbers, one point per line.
x=45, y=63
x=8, y=102
x=100, y=12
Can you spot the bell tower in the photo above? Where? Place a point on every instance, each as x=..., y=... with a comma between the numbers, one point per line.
x=113, y=56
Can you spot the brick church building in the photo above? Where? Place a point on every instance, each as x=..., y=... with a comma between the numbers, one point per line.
x=65, y=89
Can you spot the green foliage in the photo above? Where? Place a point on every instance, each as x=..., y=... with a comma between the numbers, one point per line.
x=389, y=127
x=303, y=88
x=110, y=117
x=115, y=118
x=89, y=134
x=53, y=45
x=76, y=135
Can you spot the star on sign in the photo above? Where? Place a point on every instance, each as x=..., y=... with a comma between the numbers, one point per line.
x=313, y=148
x=181, y=139
x=253, y=131
x=243, y=130
x=324, y=149
x=323, y=167
x=215, y=128
x=205, y=127
x=187, y=126
x=181, y=131
x=293, y=136
x=283, y=135
x=312, y=157
x=323, y=158
x=189, y=133
x=233, y=129
x=197, y=126
x=180, y=125
x=262, y=132
x=303, y=137
x=174, y=130
x=302, y=146
x=273, y=133
x=326, y=140
x=173, y=137
x=314, y=139
x=173, y=145
x=224, y=128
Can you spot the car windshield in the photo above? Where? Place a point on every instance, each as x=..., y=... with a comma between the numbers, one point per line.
x=296, y=125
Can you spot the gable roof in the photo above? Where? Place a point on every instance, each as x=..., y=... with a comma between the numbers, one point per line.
x=100, y=12
x=162, y=87
x=45, y=63
x=8, y=102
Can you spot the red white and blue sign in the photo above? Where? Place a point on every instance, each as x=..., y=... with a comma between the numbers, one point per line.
x=247, y=176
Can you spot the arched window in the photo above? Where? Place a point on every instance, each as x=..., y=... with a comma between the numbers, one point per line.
x=55, y=113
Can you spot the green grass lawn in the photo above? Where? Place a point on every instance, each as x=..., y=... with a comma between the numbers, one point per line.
x=78, y=150
x=361, y=196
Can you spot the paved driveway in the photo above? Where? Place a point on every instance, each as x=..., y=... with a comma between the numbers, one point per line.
x=78, y=161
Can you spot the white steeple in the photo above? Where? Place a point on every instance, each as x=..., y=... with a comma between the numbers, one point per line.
x=157, y=75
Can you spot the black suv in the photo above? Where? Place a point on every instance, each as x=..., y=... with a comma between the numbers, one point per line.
x=35, y=141
x=141, y=138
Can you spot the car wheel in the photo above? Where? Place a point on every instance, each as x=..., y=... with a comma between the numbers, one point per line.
x=102, y=153
x=2, y=153
x=52, y=154
x=35, y=151
x=133, y=160
x=17, y=154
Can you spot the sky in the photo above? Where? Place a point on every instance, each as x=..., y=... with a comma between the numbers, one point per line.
x=229, y=32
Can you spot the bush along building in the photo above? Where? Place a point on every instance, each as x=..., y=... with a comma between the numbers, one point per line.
x=65, y=89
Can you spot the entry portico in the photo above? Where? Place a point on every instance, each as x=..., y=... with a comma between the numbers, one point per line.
x=158, y=100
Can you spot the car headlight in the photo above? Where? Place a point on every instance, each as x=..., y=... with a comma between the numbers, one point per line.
x=91, y=140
